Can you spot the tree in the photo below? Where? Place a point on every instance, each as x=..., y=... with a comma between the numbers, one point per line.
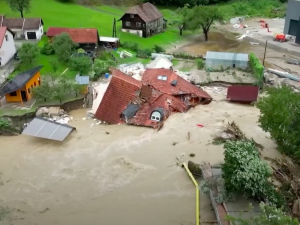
x=82, y=64
x=76, y=88
x=200, y=17
x=244, y=172
x=54, y=65
x=19, y=5
x=280, y=116
x=102, y=66
x=28, y=53
x=268, y=215
x=42, y=92
x=59, y=92
x=63, y=46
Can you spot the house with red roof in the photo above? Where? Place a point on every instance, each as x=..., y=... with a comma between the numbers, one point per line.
x=148, y=102
x=86, y=38
x=7, y=45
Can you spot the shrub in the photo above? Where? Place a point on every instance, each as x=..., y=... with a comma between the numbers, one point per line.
x=131, y=46
x=47, y=49
x=257, y=68
x=185, y=56
x=244, y=172
x=200, y=64
x=144, y=53
x=158, y=49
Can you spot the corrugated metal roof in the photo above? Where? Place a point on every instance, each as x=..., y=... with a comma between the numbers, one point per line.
x=227, y=56
x=242, y=93
x=82, y=79
x=43, y=128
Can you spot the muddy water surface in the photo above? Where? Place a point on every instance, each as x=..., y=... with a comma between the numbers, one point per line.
x=124, y=177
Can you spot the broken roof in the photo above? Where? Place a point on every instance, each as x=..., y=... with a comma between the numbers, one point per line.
x=168, y=103
x=160, y=62
x=18, y=81
x=43, y=128
x=78, y=35
x=146, y=11
x=242, y=93
x=121, y=91
x=2, y=34
x=161, y=79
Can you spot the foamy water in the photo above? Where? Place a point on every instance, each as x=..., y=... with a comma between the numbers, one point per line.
x=128, y=176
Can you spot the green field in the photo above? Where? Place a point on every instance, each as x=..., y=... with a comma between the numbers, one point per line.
x=58, y=14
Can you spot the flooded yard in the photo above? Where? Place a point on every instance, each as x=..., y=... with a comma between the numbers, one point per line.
x=118, y=174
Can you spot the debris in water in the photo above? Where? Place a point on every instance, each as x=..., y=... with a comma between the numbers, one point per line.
x=107, y=132
x=44, y=210
x=199, y=125
x=192, y=155
x=189, y=136
x=175, y=143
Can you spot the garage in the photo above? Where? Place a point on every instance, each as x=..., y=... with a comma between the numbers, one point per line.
x=31, y=35
x=294, y=27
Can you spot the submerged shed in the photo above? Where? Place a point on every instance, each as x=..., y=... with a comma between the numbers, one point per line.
x=216, y=60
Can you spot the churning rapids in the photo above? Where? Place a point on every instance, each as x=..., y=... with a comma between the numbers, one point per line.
x=118, y=174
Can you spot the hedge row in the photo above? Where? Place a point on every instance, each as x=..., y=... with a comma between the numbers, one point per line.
x=257, y=67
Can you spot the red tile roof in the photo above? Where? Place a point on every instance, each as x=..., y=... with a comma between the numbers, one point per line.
x=150, y=77
x=121, y=91
x=168, y=103
x=2, y=34
x=242, y=93
x=78, y=35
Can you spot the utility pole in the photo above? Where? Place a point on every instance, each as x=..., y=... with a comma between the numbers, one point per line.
x=114, y=34
x=265, y=53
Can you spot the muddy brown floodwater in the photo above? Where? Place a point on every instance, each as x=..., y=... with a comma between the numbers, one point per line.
x=124, y=177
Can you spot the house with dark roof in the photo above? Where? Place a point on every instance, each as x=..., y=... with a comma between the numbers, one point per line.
x=140, y=103
x=24, y=28
x=86, y=38
x=19, y=88
x=7, y=45
x=144, y=20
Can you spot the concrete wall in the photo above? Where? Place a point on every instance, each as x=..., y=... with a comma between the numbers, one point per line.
x=7, y=49
x=39, y=33
x=292, y=13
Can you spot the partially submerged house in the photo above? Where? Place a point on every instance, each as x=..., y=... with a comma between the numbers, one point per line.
x=148, y=102
x=242, y=94
x=143, y=20
x=217, y=60
x=7, y=45
x=86, y=38
x=18, y=89
x=160, y=62
x=24, y=28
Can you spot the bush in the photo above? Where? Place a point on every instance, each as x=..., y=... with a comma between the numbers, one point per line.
x=47, y=49
x=185, y=56
x=280, y=116
x=257, y=68
x=158, y=49
x=244, y=172
x=131, y=46
x=200, y=64
x=144, y=53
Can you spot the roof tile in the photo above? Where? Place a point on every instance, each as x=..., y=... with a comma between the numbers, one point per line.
x=78, y=35
x=13, y=23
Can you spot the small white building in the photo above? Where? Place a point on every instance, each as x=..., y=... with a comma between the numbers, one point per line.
x=7, y=45
x=24, y=28
x=217, y=60
x=160, y=62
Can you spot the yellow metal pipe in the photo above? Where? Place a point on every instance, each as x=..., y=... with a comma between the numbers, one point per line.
x=197, y=193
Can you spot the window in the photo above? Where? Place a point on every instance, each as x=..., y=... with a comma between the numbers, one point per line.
x=39, y=82
x=13, y=93
x=128, y=24
x=34, y=83
x=29, y=90
x=156, y=116
x=131, y=16
x=138, y=24
x=6, y=37
x=162, y=78
x=31, y=86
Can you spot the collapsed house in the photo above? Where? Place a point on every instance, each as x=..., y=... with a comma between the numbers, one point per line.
x=148, y=102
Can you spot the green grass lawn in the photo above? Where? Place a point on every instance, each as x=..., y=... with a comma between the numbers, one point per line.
x=59, y=14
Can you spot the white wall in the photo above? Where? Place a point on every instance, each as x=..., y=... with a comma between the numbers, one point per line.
x=18, y=33
x=7, y=49
x=39, y=33
x=136, y=32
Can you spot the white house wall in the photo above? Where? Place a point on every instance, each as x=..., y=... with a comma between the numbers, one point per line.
x=18, y=33
x=39, y=33
x=136, y=32
x=7, y=49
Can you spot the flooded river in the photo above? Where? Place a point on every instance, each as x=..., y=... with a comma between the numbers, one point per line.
x=118, y=174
